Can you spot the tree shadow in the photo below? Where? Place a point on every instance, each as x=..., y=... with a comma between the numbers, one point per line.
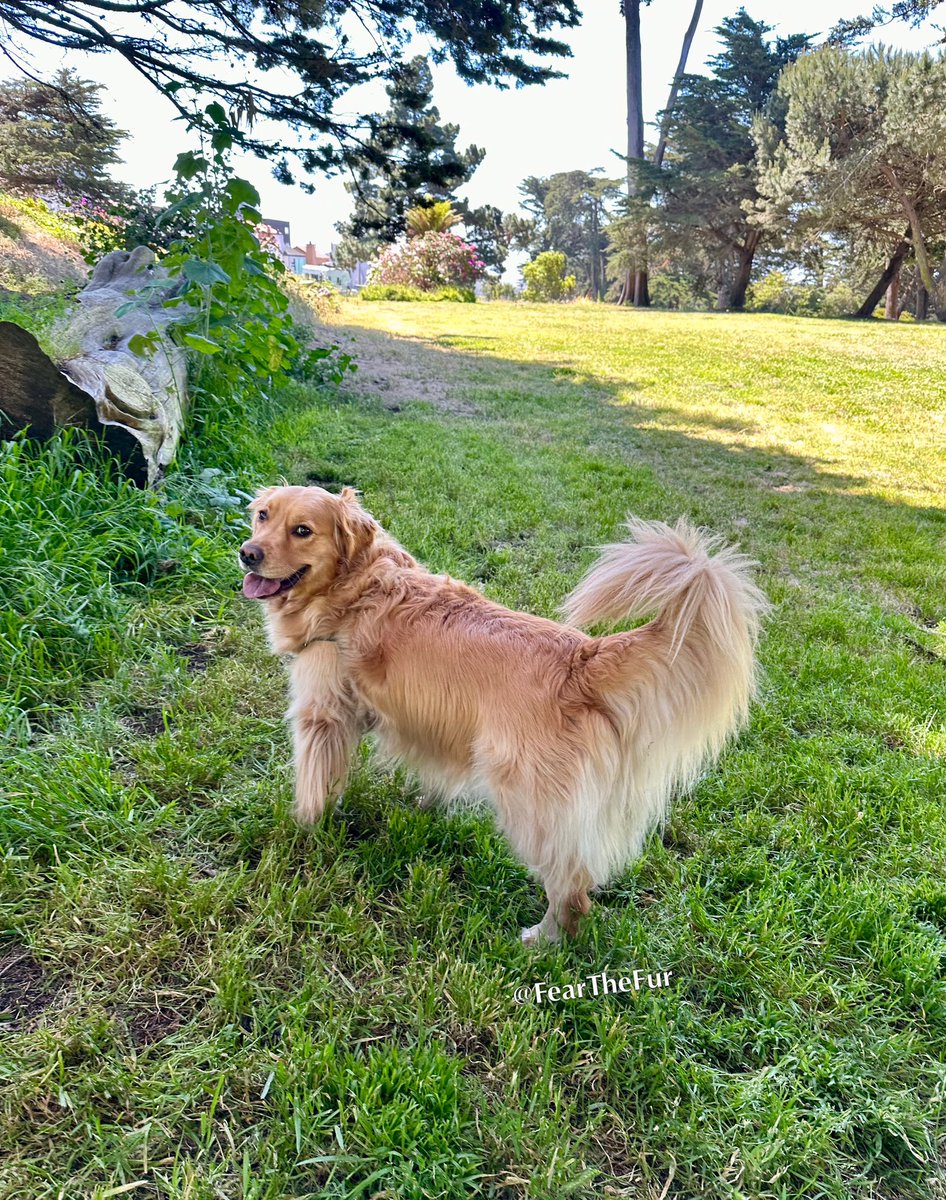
x=797, y=512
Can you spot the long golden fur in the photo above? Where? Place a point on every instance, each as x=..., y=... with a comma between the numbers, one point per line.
x=578, y=742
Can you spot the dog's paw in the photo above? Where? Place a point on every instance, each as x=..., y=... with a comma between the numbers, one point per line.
x=535, y=934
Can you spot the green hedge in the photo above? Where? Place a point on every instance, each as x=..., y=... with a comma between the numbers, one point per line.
x=397, y=291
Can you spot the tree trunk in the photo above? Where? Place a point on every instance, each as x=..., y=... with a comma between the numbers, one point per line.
x=894, y=264
x=922, y=301
x=675, y=86
x=595, y=281
x=892, y=308
x=635, y=290
x=737, y=298
x=923, y=265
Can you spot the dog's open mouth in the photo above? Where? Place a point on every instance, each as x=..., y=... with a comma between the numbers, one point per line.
x=258, y=587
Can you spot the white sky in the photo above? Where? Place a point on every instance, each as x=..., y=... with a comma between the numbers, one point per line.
x=570, y=123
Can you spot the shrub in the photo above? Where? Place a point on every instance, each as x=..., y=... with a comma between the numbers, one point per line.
x=392, y=291
x=777, y=294
x=495, y=289
x=432, y=260
x=310, y=303
x=546, y=279
x=676, y=292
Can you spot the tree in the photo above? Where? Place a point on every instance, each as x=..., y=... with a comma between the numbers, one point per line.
x=571, y=211
x=410, y=161
x=546, y=279
x=863, y=156
x=711, y=178
x=281, y=68
x=431, y=218
x=55, y=140
x=493, y=232
x=914, y=12
x=633, y=232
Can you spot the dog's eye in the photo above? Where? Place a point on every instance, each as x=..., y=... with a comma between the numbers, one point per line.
x=262, y=514
x=301, y=531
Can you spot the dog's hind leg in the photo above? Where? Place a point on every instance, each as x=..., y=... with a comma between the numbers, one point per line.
x=327, y=724
x=567, y=905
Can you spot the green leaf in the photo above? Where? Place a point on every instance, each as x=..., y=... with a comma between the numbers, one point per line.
x=201, y=344
x=142, y=345
x=216, y=113
x=241, y=191
x=189, y=164
x=197, y=270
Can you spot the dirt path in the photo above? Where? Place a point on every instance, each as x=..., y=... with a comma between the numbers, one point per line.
x=398, y=368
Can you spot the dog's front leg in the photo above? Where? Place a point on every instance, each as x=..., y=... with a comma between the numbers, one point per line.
x=327, y=724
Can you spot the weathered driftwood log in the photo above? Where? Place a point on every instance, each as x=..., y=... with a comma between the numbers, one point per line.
x=93, y=377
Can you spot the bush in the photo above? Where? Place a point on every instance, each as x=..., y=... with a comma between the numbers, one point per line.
x=777, y=294
x=677, y=292
x=546, y=279
x=310, y=303
x=495, y=289
x=393, y=291
x=428, y=262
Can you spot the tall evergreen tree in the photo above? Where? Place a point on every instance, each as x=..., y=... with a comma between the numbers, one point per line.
x=56, y=141
x=710, y=175
x=864, y=156
x=571, y=211
x=632, y=251
x=410, y=160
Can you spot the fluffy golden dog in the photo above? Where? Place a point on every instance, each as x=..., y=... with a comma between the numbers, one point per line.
x=578, y=742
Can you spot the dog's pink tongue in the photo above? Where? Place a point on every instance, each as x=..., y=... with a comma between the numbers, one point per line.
x=257, y=588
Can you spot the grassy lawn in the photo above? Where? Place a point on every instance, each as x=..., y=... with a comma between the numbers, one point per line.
x=200, y=1000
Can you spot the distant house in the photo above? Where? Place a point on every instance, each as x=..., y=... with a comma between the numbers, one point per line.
x=294, y=258
x=281, y=229
x=312, y=265
x=314, y=259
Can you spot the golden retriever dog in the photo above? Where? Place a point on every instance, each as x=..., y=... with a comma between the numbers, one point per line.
x=578, y=742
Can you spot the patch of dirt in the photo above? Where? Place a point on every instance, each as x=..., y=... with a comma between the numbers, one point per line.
x=25, y=991
x=153, y=1025
x=198, y=657
x=26, y=253
x=148, y=722
x=398, y=370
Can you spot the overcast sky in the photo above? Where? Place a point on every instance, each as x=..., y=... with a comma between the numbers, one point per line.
x=576, y=122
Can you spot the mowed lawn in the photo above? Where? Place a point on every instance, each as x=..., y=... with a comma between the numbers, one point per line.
x=202, y=1001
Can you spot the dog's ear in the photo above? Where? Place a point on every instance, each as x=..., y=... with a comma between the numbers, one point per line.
x=261, y=499
x=354, y=528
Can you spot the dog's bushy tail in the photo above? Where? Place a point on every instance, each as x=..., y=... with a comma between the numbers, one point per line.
x=680, y=685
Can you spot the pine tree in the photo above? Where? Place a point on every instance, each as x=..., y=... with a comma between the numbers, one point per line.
x=55, y=141
x=710, y=175
x=410, y=160
x=863, y=156
x=280, y=69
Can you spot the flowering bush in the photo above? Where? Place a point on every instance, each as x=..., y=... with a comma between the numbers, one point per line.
x=430, y=261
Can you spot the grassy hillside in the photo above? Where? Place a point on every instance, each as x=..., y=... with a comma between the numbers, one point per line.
x=203, y=1001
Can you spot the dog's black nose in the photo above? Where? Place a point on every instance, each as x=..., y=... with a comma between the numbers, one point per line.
x=251, y=555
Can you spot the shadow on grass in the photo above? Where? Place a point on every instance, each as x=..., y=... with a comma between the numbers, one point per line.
x=797, y=512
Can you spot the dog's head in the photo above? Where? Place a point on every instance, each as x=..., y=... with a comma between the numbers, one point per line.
x=303, y=538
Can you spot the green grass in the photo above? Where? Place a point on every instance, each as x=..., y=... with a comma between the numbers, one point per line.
x=203, y=1001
